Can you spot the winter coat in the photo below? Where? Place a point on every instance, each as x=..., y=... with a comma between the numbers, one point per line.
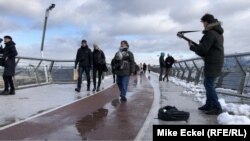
x=162, y=63
x=169, y=61
x=84, y=57
x=125, y=65
x=144, y=67
x=9, y=55
x=98, y=59
x=211, y=49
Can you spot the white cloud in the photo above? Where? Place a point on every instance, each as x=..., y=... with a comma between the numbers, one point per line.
x=149, y=26
x=29, y=8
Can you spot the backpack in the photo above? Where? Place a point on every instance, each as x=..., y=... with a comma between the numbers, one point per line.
x=171, y=113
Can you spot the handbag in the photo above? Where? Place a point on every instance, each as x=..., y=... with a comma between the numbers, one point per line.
x=75, y=75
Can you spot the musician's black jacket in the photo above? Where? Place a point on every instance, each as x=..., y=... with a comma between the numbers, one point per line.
x=211, y=49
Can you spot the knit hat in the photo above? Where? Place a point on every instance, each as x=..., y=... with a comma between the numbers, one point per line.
x=84, y=41
x=207, y=18
x=8, y=37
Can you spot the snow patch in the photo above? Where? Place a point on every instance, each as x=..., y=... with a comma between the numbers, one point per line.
x=226, y=118
x=241, y=112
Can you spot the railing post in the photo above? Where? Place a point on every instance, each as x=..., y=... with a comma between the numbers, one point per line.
x=178, y=72
x=189, y=72
x=175, y=71
x=50, y=68
x=183, y=71
x=14, y=78
x=243, y=76
x=198, y=73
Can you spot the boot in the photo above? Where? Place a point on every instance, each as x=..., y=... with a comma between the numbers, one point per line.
x=77, y=90
x=204, y=108
x=5, y=92
x=214, y=112
x=123, y=99
x=94, y=89
x=12, y=92
x=98, y=89
x=88, y=89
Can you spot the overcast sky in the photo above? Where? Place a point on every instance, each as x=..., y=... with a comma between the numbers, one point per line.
x=150, y=26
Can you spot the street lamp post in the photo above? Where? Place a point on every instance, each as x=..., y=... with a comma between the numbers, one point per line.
x=43, y=37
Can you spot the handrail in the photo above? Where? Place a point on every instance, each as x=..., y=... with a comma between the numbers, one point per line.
x=39, y=59
x=226, y=56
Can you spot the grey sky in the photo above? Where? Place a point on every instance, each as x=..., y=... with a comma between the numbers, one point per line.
x=150, y=26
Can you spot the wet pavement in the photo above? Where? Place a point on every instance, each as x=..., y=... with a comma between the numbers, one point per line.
x=33, y=101
x=101, y=116
x=170, y=94
x=98, y=117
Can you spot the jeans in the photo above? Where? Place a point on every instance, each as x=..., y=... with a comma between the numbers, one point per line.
x=95, y=70
x=8, y=81
x=212, y=98
x=122, y=82
x=80, y=73
x=162, y=70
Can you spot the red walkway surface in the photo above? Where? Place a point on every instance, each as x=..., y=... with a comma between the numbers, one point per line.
x=99, y=117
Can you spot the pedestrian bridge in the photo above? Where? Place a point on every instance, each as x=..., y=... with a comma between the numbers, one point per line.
x=49, y=109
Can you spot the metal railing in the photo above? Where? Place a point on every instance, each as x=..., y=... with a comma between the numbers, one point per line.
x=30, y=72
x=235, y=74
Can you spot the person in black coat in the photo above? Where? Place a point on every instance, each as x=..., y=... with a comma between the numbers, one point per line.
x=211, y=49
x=169, y=61
x=84, y=59
x=144, y=68
x=9, y=56
x=98, y=66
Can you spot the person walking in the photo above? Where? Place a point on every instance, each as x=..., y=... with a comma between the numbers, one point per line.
x=211, y=50
x=169, y=61
x=98, y=66
x=144, y=68
x=149, y=68
x=9, y=56
x=162, y=65
x=84, y=59
x=124, y=67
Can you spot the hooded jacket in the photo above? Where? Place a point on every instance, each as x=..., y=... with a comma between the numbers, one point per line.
x=211, y=49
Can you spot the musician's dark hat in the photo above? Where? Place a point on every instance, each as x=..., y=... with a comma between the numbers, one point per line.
x=207, y=18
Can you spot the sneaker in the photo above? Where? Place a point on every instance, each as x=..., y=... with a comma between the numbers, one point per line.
x=4, y=93
x=77, y=90
x=214, y=112
x=12, y=92
x=204, y=108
